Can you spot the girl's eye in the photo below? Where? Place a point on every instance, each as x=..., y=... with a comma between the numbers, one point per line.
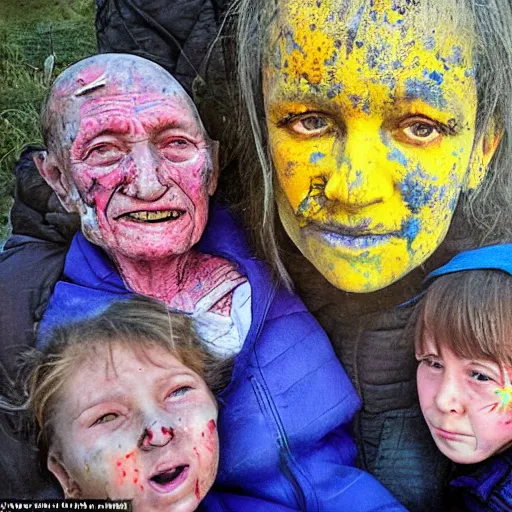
x=111, y=416
x=480, y=376
x=179, y=392
x=309, y=125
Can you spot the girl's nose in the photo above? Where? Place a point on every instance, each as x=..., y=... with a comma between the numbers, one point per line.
x=157, y=435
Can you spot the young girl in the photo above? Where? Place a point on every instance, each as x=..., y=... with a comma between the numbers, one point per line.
x=123, y=408
x=464, y=349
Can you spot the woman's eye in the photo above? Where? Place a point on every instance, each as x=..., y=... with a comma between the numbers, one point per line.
x=103, y=154
x=309, y=125
x=179, y=392
x=111, y=416
x=421, y=133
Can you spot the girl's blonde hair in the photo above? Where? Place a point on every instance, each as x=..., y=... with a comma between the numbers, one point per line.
x=138, y=323
x=470, y=313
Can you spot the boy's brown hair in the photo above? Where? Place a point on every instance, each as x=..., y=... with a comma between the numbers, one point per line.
x=470, y=313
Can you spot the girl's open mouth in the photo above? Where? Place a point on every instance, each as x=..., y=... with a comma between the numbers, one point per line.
x=167, y=480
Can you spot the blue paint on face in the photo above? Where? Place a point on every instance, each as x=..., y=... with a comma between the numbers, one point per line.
x=414, y=191
x=315, y=157
x=397, y=156
x=456, y=58
x=410, y=230
x=291, y=44
x=436, y=77
x=356, y=183
x=428, y=91
x=332, y=60
x=334, y=91
x=429, y=43
x=372, y=57
x=353, y=27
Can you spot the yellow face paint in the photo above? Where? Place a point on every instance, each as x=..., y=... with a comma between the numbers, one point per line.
x=371, y=120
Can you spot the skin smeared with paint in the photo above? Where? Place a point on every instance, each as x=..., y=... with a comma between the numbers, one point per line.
x=142, y=426
x=131, y=156
x=461, y=407
x=371, y=121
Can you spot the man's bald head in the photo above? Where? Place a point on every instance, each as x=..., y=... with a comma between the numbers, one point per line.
x=105, y=74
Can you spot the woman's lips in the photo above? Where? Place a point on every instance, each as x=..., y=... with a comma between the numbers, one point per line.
x=169, y=479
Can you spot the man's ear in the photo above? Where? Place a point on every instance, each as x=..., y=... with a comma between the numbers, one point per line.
x=69, y=486
x=213, y=179
x=482, y=155
x=55, y=176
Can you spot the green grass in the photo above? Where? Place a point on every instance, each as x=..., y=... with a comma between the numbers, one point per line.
x=30, y=30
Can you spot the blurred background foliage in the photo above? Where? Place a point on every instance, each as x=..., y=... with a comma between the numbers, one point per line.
x=38, y=39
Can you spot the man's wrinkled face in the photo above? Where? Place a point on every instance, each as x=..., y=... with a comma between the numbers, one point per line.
x=138, y=161
x=371, y=120
x=140, y=426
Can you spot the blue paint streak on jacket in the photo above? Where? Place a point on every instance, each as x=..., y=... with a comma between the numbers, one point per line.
x=488, y=487
x=285, y=417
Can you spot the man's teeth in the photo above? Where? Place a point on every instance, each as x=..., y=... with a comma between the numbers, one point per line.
x=155, y=216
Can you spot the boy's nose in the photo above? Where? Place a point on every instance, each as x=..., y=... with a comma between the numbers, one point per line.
x=450, y=398
x=156, y=435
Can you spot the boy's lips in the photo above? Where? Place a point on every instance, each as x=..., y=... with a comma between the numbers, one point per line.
x=168, y=479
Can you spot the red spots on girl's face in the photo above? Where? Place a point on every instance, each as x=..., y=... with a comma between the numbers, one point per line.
x=131, y=454
x=211, y=439
x=198, y=492
x=168, y=432
x=211, y=426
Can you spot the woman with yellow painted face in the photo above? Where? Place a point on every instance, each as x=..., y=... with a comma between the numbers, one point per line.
x=382, y=131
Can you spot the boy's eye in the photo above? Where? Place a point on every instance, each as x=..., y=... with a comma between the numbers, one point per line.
x=111, y=416
x=431, y=363
x=480, y=376
x=179, y=392
x=309, y=124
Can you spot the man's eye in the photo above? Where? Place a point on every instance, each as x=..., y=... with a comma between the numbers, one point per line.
x=103, y=154
x=421, y=133
x=178, y=150
x=309, y=125
x=111, y=416
x=480, y=376
x=179, y=392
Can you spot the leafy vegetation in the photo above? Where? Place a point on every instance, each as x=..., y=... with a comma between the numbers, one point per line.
x=38, y=39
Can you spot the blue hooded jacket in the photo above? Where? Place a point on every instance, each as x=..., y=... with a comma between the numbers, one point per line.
x=285, y=418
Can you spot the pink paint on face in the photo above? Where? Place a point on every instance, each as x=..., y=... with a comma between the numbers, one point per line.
x=137, y=428
x=142, y=164
x=459, y=402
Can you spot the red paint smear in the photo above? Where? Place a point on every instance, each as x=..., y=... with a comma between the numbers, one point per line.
x=128, y=455
x=168, y=431
x=211, y=426
x=124, y=473
x=197, y=453
x=141, y=487
x=118, y=463
x=135, y=480
x=198, y=494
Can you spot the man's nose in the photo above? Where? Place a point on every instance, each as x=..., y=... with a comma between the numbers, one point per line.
x=364, y=176
x=145, y=182
x=450, y=396
x=156, y=434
